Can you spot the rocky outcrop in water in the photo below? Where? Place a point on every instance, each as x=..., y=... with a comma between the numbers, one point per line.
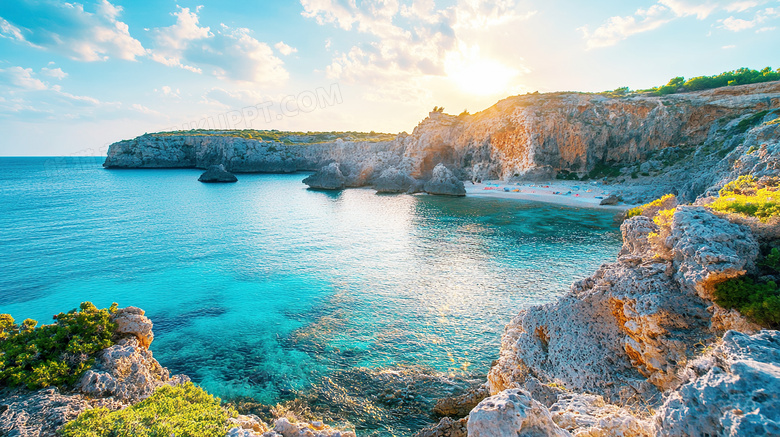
x=327, y=178
x=443, y=182
x=217, y=173
x=393, y=180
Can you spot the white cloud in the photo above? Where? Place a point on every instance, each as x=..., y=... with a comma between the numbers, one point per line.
x=738, y=24
x=619, y=28
x=285, y=49
x=19, y=77
x=728, y=47
x=228, y=53
x=69, y=29
x=56, y=73
x=167, y=91
x=407, y=44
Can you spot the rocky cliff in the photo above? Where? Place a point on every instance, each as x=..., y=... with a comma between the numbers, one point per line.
x=639, y=348
x=687, y=143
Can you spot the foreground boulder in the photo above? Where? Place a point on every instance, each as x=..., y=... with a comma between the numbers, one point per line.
x=327, y=178
x=126, y=372
x=443, y=182
x=216, y=174
x=512, y=413
x=39, y=413
x=733, y=390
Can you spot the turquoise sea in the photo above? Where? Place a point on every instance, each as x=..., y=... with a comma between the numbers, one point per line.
x=363, y=307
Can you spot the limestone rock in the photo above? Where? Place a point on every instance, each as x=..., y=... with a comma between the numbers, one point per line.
x=127, y=372
x=446, y=428
x=217, y=173
x=633, y=322
x=589, y=416
x=460, y=406
x=327, y=178
x=131, y=321
x=635, y=231
x=393, y=180
x=611, y=200
x=443, y=182
x=512, y=413
x=285, y=428
x=708, y=249
x=734, y=390
x=39, y=413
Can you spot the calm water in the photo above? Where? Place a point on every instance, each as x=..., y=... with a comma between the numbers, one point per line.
x=367, y=307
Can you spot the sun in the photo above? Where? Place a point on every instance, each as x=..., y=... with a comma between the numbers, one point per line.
x=474, y=74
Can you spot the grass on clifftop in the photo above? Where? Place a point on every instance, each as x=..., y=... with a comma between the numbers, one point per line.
x=284, y=137
x=182, y=411
x=749, y=197
x=56, y=354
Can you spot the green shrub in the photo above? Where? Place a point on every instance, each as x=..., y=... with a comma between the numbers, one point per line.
x=182, y=411
x=772, y=261
x=758, y=301
x=741, y=76
x=56, y=354
x=744, y=196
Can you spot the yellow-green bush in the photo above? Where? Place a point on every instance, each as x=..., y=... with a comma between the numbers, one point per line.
x=657, y=203
x=745, y=196
x=182, y=411
x=56, y=354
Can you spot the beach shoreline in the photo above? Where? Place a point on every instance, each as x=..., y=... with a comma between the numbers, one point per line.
x=567, y=193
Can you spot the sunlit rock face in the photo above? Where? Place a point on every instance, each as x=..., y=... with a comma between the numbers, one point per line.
x=691, y=142
x=627, y=330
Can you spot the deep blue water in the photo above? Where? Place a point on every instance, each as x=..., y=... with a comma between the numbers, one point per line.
x=367, y=306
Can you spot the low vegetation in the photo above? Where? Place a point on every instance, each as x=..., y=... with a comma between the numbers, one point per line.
x=56, y=354
x=749, y=197
x=182, y=411
x=284, y=137
x=757, y=298
x=651, y=208
x=742, y=76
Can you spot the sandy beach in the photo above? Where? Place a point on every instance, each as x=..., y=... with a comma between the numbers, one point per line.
x=587, y=194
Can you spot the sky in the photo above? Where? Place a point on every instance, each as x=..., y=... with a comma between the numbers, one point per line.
x=76, y=77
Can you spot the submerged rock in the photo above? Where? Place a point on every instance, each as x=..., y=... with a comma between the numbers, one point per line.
x=443, y=182
x=327, y=178
x=446, y=428
x=217, y=173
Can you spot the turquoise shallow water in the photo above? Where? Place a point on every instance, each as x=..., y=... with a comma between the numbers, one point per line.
x=366, y=306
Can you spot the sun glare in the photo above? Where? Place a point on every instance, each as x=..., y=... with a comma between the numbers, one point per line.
x=477, y=75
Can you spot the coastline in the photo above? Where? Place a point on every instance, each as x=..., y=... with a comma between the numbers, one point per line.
x=580, y=194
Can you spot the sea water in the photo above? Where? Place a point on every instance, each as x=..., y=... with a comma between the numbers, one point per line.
x=359, y=307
